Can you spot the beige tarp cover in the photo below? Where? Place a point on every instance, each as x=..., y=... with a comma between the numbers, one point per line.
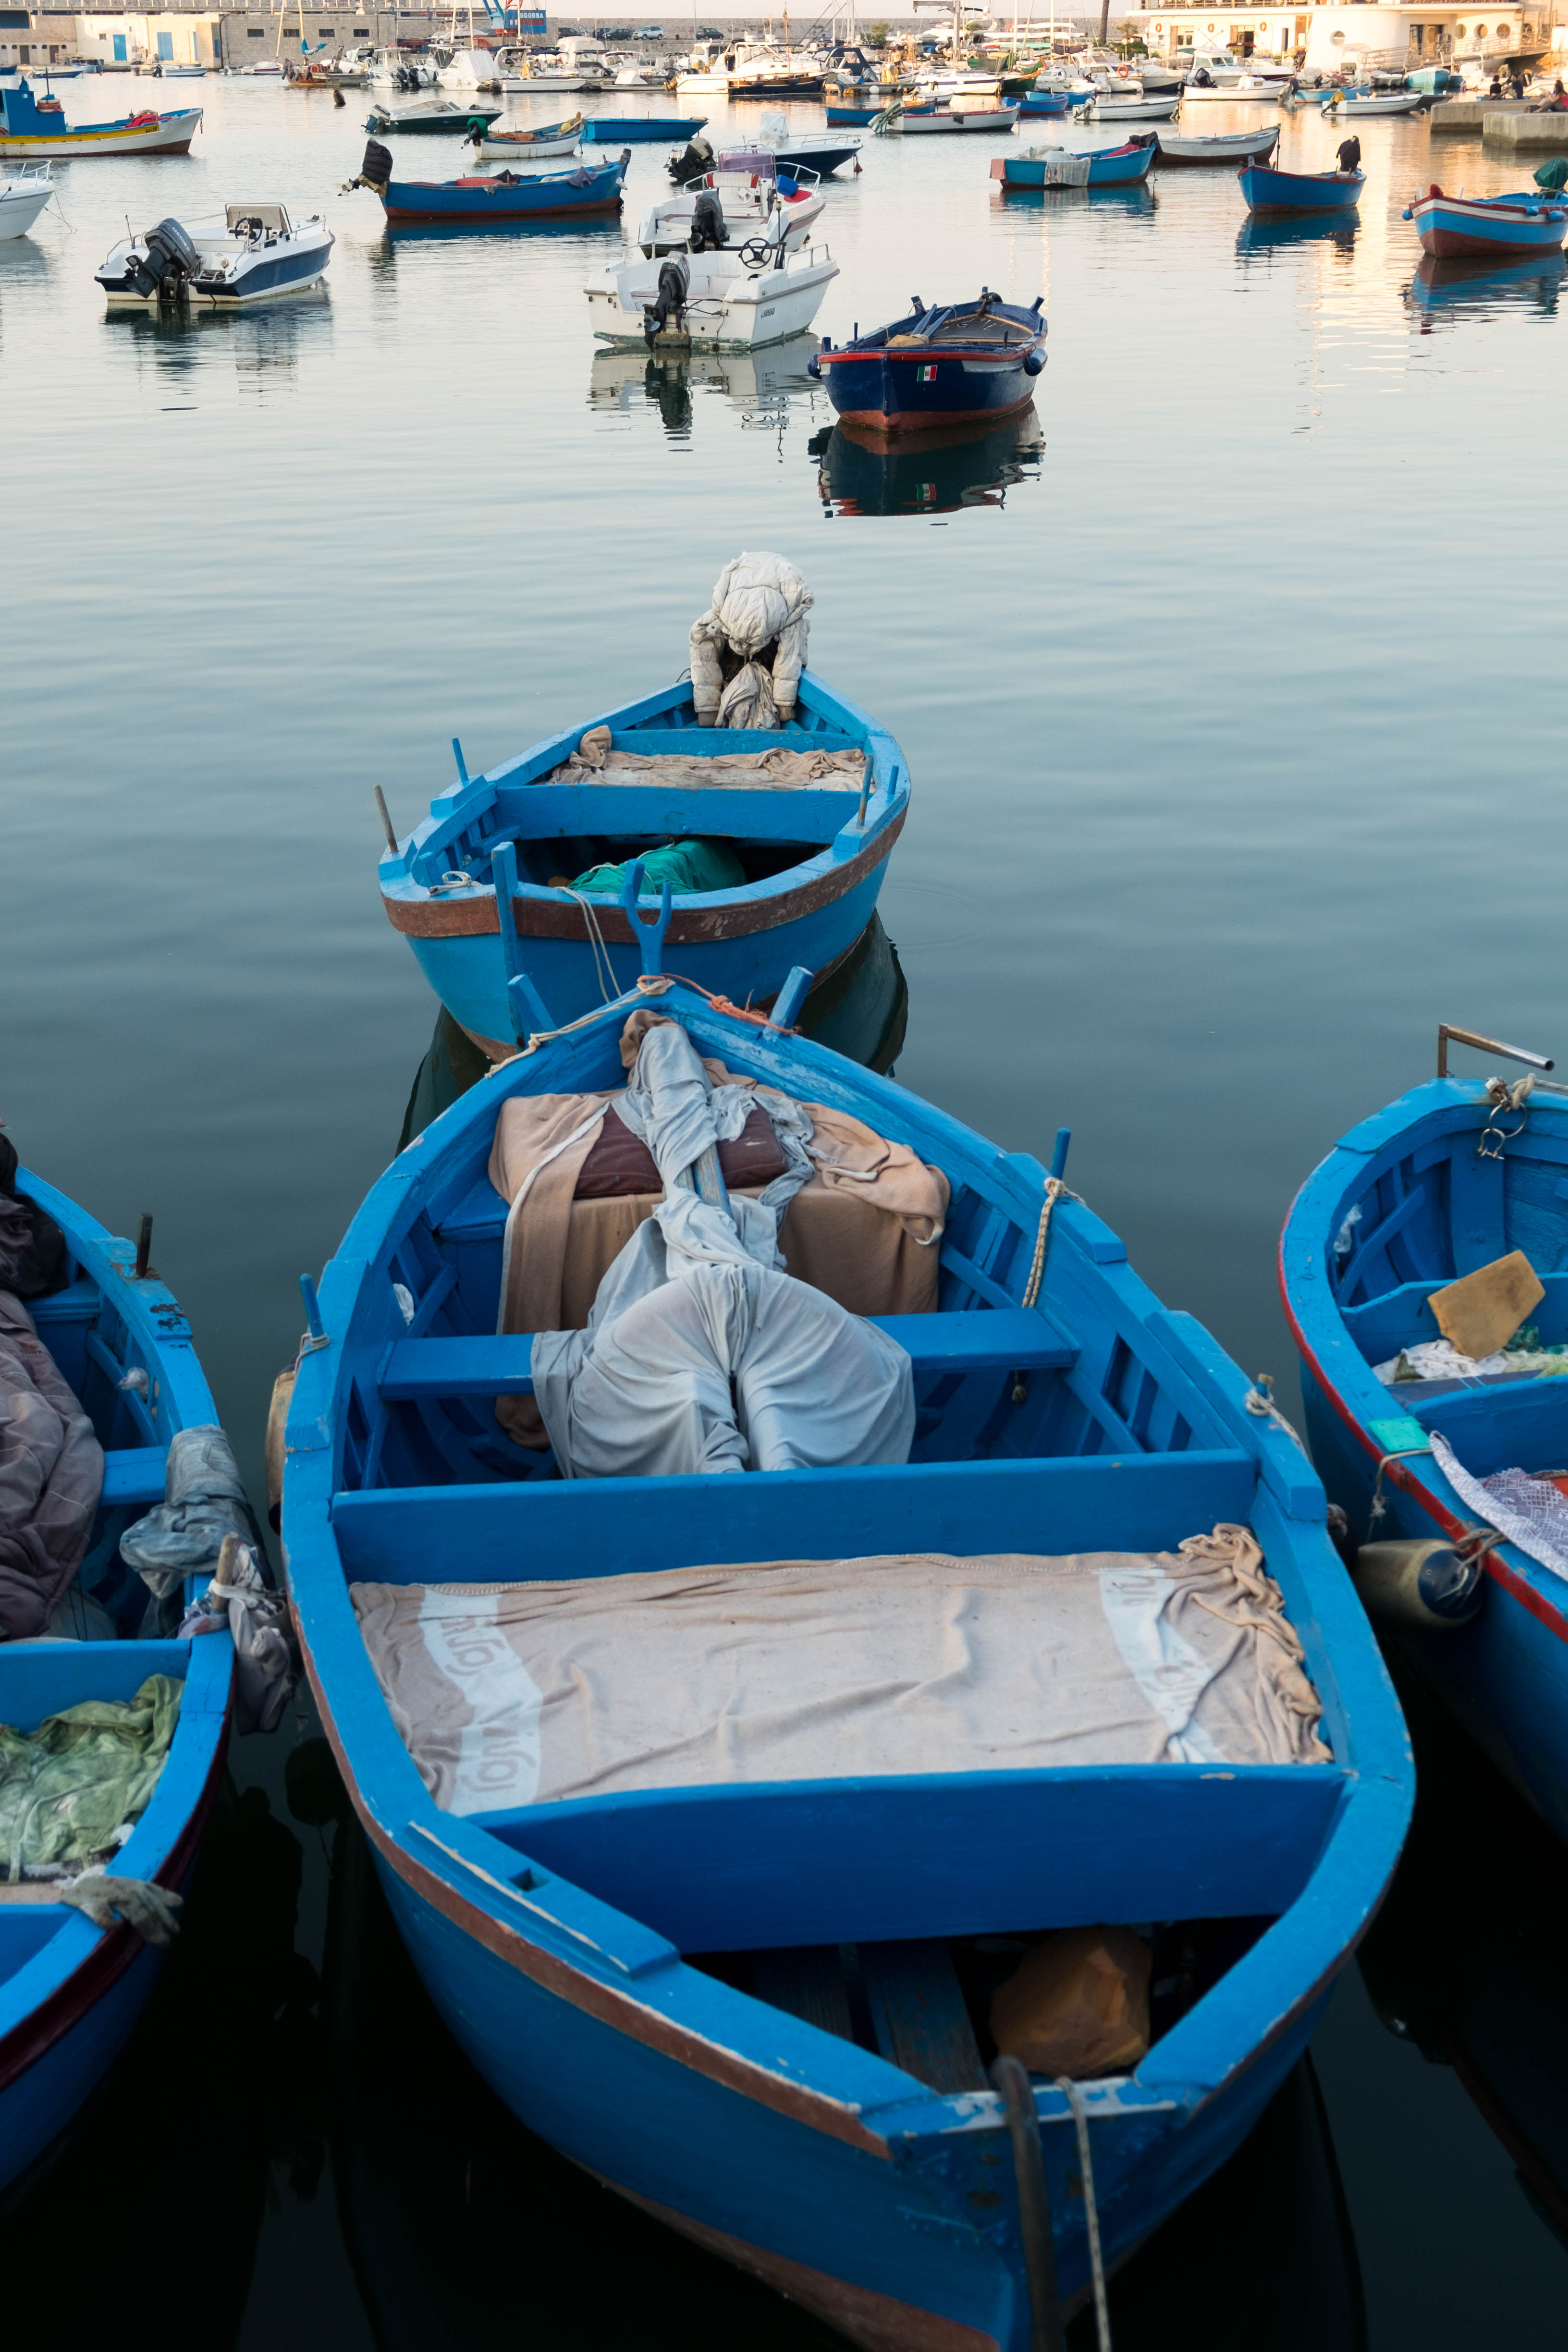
x=520, y=1693
x=863, y=1231
x=593, y=763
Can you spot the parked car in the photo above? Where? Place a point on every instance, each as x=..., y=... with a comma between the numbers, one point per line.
x=650, y=33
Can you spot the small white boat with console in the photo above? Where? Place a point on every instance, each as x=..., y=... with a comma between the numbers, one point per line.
x=735, y=209
x=1110, y=106
x=1246, y=89
x=23, y=195
x=253, y=252
x=710, y=302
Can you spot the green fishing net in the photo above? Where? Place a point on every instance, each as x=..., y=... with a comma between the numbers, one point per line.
x=695, y=865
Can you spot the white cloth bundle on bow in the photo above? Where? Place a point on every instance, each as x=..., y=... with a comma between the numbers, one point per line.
x=758, y=601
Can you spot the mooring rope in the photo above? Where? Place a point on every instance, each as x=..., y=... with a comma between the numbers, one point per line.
x=1074, y=2098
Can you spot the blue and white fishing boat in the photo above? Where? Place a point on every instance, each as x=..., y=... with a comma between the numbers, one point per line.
x=946, y=363
x=70, y=1990
x=1470, y=228
x=1267, y=190
x=250, y=253
x=483, y=201
x=758, y=1992
x=526, y=869
x=33, y=130
x=1411, y=1433
x=1064, y=167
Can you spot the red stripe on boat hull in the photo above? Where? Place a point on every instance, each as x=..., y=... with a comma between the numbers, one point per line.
x=918, y=420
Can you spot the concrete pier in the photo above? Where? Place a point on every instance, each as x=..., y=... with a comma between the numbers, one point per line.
x=1470, y=113
x=1519, y=131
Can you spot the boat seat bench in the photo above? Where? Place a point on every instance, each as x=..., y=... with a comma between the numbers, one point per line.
x=1004, y=1339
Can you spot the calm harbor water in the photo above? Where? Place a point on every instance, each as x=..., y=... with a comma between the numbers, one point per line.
x=1230, y=688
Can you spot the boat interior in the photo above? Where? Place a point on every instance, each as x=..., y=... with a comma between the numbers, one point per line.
x=1430, y=1208
x=882, y=1910
x=960, y=323
x=565, y=829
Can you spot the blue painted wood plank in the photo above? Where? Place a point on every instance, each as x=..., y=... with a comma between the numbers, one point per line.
x=1520, y=1426
x=1014, y=1339
x=919, y=2016
x=611, y=1526
x=736, y=1868
x=133, y=1474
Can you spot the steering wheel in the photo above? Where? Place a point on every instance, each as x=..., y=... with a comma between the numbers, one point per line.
x=755, y=252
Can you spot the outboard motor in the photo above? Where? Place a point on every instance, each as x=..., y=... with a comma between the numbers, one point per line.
x=708, y=229
x=669, y=303
x=169, y=263
x=375, y=172
x=697, y=159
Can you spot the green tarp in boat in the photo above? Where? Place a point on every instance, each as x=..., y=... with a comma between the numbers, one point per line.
x=67, y=1786
x=696, y=865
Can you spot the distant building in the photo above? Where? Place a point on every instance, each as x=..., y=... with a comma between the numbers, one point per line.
x=1370, y=38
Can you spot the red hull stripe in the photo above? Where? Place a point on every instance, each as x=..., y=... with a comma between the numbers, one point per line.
x=1400, y=1474
x=114, y=1951
x=924, y=357
x=917, y=420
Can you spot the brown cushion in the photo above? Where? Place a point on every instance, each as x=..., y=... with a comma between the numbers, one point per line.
x=620, y=1162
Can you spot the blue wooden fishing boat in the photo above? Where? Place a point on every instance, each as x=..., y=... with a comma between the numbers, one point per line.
x=1108, y=167
x=1053, y=103
x=482, y=200
x=1469, y=228
x=634, y=130
x=71, y=1992
x=33, y=130
x=945, y=363
x=1442, y=1183
x=855, y=118
x=1267, y=190
x=806, y=863
x=756, y=2004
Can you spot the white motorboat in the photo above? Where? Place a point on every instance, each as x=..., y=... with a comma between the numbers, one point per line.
x=392, y=69
x=1246, y=89
x=470, y=69
x=960, y=114
x=523, y=73
x=519, y=147
x=753, y=214
x=724, y=306
x=266, y=70
x=1132, y=109
x=1349, y=106
x=252, y=253
x=165, y=71
x=23, y=195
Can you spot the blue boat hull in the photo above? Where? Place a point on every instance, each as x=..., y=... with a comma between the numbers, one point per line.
x=852, y=117
x=1112, y=167
x=903, y=380
x=634, y=130
x=867, y=2245
x=470, y=977
x=70, y=1992
x=478, y=201
x=1503, y=1672
x=1053, y=103
x=1268, y=191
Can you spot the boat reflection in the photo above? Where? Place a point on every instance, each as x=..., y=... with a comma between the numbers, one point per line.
x=1484, y=287
x=1136, y=201
x=439, y=2245
x=215, y=2111
x=1465, y=1959
x=863, y=472
x=630, y=381
x=1261, y=235
x=265, y=343
x=861, y=1011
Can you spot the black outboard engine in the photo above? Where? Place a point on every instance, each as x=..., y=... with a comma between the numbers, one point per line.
x=697, y=159
x=375, y=172
x=169, y=263
x=669, y=303
x=708, y=230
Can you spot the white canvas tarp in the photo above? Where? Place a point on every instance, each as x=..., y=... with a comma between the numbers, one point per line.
x=522, y=1694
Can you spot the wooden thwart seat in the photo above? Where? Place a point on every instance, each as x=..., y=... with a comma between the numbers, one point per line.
x=1015, y=1338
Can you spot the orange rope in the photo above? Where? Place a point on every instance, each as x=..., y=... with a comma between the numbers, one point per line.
x=722, y=1003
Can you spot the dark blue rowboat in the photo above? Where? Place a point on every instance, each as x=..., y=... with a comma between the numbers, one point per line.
x=484, y=200
x=1051, y=102
x=853, y=117
x=634, y=130
x=1438, y=1185
x=814, y=860
x=71, y=1991
x=941, y=365
x=661, y=1983
x=1108, y=167
x=1267, y=190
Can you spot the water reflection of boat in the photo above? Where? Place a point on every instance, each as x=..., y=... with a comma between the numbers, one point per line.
x=1260, y=234
x=437, y=2247
x=630, y=380
x=1465, y=1959
x=860, y=1010
x=861, y=472
x=1483, y=287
